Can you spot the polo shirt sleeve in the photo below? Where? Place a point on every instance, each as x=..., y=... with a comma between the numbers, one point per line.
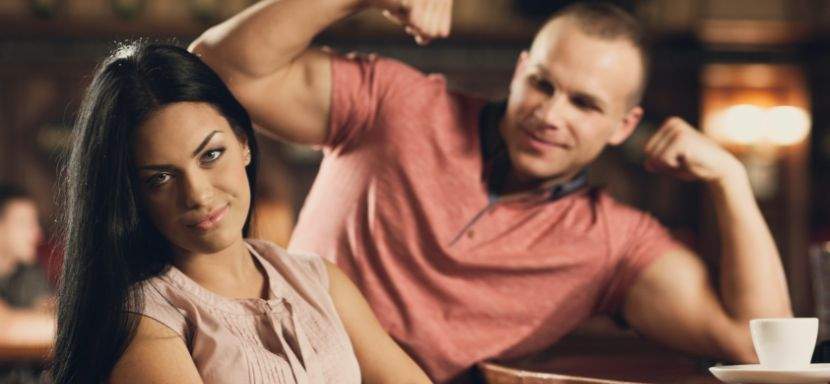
x=362, y=85
x=642, y=241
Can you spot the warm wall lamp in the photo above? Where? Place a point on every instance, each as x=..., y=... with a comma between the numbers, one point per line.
x=760, y=112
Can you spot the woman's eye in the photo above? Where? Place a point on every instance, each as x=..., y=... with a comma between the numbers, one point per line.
x=212, y=155
x=158, y=179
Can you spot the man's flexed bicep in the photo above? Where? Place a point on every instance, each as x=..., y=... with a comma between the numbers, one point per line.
x=264, y=55
x=673, y=302
x=292, y=103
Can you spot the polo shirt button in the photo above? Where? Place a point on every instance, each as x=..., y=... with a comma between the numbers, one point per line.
x=470, y=234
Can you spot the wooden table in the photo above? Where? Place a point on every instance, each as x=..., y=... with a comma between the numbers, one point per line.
x=25, y=353
x=498, y=374
x=601, y=355
x=494, y=373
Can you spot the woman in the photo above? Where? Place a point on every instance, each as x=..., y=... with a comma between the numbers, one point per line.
x=159, y=284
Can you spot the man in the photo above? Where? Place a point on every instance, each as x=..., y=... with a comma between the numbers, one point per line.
x=23, y=283
x=26, y=315
x=467, y=224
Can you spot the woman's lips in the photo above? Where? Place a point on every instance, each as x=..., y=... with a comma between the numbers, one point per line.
x=212, y=219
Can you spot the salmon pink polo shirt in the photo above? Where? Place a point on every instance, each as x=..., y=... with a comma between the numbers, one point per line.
x=404, y=203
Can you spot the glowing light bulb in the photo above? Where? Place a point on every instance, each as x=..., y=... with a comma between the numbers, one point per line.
x=750, y=125
x=742, y=124
x=786, y=125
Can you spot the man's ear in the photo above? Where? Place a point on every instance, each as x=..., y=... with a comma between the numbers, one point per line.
x=627, y=125
x=521, y=64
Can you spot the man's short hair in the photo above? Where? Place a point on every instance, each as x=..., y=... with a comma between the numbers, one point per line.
x=609, y=22
x=9, y=192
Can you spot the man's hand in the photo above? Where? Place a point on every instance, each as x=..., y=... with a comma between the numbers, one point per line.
x=680, y=150
x=425, y=20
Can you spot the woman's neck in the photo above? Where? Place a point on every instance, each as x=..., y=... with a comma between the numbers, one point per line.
x=231, y=272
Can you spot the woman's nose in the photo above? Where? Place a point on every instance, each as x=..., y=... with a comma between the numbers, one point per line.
x=198, y=191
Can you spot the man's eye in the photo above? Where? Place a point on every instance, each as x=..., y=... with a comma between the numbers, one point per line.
x=584, y=104
x=212, y=155
x=541, y=84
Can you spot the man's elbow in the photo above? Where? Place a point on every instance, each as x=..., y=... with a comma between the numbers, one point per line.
x=227, y=62
x=197, y=47
x=205, y=44
x=208, y=48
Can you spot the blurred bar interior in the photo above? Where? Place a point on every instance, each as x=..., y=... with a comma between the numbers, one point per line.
x=728, y=66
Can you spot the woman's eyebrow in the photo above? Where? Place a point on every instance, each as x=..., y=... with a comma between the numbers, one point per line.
x=167, y=167
x=204, y=143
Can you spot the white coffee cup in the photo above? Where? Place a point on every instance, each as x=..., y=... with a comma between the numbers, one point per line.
x=785, y=343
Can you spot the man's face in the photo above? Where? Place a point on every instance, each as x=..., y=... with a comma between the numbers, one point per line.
x=569, y=97
x=20, y=231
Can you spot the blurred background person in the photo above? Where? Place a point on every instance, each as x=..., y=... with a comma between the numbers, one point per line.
x=26, y=297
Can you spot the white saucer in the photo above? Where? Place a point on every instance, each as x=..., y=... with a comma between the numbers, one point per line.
x=755, y=374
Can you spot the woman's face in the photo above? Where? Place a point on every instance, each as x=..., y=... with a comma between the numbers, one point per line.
x=191, y=172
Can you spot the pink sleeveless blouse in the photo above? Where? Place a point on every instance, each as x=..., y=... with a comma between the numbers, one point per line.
x=295, y=336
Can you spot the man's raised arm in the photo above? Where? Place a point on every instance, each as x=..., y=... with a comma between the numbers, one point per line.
x=673, y=300
x=263, y=56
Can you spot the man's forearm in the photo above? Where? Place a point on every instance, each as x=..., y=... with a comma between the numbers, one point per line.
x=265, y=37
x=752, y=279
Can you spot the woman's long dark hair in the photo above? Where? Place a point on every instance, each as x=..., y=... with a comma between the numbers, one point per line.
x=110, y=242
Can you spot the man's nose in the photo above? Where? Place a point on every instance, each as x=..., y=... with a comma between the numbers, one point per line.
x=553, y=111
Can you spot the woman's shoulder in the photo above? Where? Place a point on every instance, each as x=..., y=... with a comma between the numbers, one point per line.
x=161, y=300
x=307, y=266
